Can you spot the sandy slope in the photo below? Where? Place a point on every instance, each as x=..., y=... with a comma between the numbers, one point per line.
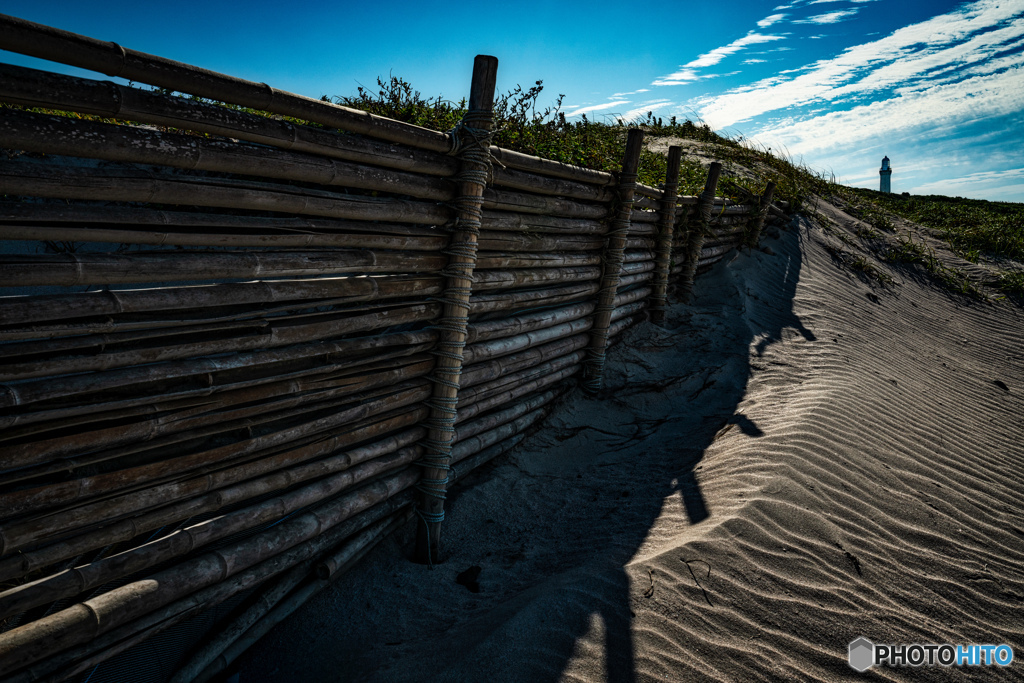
x=802, y=457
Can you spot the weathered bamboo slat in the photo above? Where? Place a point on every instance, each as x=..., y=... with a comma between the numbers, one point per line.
x=334, y=567
x=496, y=259
x=87, y=656
x=485, y=303
x=264, y=401
x=251, y=335
x=133, y=145
x=666, y=230
x=206, y=239
x=81, y=622
x=543, y=374
x=130, y=185
x=525, y=222
x=178, y=372
x=548, y=167
x=492, y=240
x=19, y=534
x=35, y=309
x=502, y=395
x=613, y=259
x=498, y=367
x=45, y=42
x=500, y=347
x=33, y=88
x=217, y=654
x=22, y=270
x=47, y=213
x=101, y=614
x=527, y=322
x=223, y=488
x=73, y=582
x=717, y=250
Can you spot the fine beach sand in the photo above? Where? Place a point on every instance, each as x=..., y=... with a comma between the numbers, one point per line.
x=800, y=457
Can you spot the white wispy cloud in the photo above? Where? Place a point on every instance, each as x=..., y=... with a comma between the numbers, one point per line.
x=644, y=107
x=771, y=19
x=950, y=104
x=828, y=18
x=688, y=72
x=1003, y=184
x=754, y=61
x=958, y=40
x=596, y=107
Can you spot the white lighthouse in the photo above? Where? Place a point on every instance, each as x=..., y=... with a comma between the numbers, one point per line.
x=884, y=174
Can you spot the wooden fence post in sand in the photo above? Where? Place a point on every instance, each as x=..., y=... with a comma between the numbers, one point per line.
x=666, y=228
x=618, y=227
x=471, y=143
x=698, y=225
x=753, y=232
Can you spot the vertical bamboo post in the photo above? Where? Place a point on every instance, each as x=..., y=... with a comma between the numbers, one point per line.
x=471, y=143
x=666, y=228
x=753, y=232
x=698, y=225
x=618, y=227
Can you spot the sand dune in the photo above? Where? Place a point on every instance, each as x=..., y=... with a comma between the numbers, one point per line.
x=799, y=458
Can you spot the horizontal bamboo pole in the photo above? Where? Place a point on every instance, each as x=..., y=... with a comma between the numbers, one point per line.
x=541, y=375
x=98, y=649
x=206, y=371
x=486, y=371
x=158, y=506
x=261, y=616
x=497, y=259
x=85, y=621
x=485, y=303
x=525, y=222
x=492, y=240
x=58, y=135
x=18, y=535
x=125, y=184
x=128, y=144
x=79, y=449
x=82, y=622
x=36, y=40
x=717, y=250
x=554, y=169
x=34, y=88
x=249, y=336
x=85, y=657
x=27, y=270
x=86, y=577
x=527, y=322
x=355, y=288
x=207, y=239
x=489, y=397
x=500, y=347
x=328, y=570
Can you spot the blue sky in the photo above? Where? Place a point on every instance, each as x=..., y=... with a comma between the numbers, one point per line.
x=937, y=86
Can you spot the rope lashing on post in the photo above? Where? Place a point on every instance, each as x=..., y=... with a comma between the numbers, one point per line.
x=660, y=283
x=470, y=141
x=618, y=227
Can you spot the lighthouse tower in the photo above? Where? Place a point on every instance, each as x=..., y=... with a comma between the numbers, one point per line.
x=884, y=174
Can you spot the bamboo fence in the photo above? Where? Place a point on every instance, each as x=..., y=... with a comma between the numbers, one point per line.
x=237, y=350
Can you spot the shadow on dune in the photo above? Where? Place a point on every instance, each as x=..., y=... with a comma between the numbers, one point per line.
x=555, y=526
